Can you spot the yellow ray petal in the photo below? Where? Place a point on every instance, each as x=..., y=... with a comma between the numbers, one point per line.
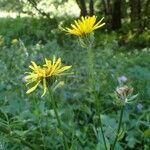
x=44, y=86
x=33, y=88
x=62, y=69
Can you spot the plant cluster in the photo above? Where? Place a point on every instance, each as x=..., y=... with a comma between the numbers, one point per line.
x=79, y=115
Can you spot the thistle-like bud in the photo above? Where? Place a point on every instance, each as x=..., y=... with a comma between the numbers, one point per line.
x=124, y=91
x=124, y=95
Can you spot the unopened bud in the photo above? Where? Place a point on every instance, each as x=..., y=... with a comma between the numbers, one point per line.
x=124, y=91
x=123, y=95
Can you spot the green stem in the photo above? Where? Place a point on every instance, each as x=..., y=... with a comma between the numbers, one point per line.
x=90, y=65
x=58, y=120
x=102, y=131
x=41, y=132
x=100, y=122
x=119, y=127
x=92, y=82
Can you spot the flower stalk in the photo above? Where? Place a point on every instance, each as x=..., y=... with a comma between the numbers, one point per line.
x=90, y=63
x=119, y=127
x=83, y=28
x=45, y=76
x=102, y=131
x=91, y=79
x=65, y=145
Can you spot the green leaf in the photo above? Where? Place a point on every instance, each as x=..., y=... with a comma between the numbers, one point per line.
x=101, y=145
x=147, y=133
x=131, y=140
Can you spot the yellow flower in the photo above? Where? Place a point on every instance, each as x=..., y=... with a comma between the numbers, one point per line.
x=45, y=73
x=14, y=41
x=84, y=26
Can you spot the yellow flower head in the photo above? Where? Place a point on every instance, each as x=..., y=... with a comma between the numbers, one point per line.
x=14, y=41
x=84, y=26
x=43, y=74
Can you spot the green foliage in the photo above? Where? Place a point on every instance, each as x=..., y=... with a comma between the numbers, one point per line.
x=23, y=29
x=28, y=121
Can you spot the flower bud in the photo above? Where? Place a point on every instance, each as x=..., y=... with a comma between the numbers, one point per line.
x=124, y=95
x=124, y=91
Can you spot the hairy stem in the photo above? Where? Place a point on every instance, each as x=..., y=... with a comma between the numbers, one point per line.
x=92, y=84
